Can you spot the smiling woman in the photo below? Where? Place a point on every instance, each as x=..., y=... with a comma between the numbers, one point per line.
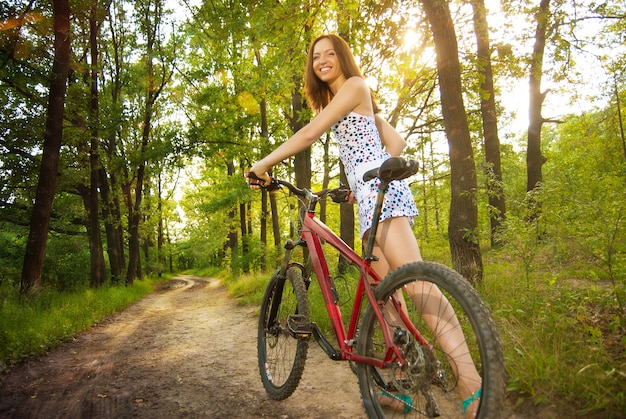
x=337, y=91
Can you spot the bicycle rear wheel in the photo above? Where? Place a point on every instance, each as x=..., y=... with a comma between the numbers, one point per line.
x=284, y=310
x=428, y=385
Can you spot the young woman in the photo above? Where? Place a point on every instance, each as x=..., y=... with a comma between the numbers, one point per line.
x=337, y=92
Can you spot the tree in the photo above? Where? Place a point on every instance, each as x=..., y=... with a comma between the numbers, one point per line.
x=495, y=193
x=346, y=211
x=534, y=158
x=156, y=78
x=463, y=223
x=583, y=197
x=110, y=188
x=40, y=219
x=620, y=122
x=98, y=272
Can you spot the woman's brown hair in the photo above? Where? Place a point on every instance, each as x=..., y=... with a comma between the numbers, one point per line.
x=317, y=92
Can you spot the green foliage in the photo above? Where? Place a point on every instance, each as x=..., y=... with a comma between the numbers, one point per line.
x=66, y=266
x=520, y=237
x=209, y=204
x=556, y=285
x=585, y=200
x=11, y=255
x=230, y=102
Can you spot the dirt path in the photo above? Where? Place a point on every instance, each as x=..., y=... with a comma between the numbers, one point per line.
x=173, y=354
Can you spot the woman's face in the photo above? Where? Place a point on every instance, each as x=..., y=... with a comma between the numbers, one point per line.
x=325, y=63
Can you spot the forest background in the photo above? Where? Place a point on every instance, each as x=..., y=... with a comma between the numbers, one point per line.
x=126, y=127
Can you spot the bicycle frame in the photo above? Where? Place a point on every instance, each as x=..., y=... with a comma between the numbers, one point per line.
x=388, y=339
x=313, y=233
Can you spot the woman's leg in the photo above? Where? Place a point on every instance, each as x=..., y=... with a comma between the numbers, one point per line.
x=395, y=246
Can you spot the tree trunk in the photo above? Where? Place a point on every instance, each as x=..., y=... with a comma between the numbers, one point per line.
x=232, y=234
x=98, y=272
x=134, y=217
x=323, y=204
x=495, y=193
x=111, y=213
x=134, y=257
x=265, y=136
x=111, y=206
x=619, y=114
x=463, y=224
x=302, y=160
x=160, y=232
x=275, y=224
x=152, y=19
x=40, y=219
x=346, y=211
x=244, y=233
x=534, y=159
x=263, y=220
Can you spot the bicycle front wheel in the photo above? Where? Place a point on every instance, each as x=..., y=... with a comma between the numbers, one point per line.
x=282, y=349
x=453, y=362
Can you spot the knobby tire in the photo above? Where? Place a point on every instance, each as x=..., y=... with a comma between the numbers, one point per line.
x=427, y=386
x=281, y=356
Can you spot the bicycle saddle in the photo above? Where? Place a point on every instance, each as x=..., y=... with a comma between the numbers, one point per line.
x=394, y=168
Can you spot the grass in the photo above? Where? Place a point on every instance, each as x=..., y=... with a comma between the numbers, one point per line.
x=563, y=340
x=249, y=289
x=33, y=325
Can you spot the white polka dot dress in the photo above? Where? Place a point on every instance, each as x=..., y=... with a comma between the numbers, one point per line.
x=360, y=150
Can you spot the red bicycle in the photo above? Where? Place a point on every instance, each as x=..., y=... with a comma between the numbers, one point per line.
x=401, y=365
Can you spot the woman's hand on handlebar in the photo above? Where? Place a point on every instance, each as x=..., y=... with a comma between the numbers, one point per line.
x=258, y=176
x=341, y=195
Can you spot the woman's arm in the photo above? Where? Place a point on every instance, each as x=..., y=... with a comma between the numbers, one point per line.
x=353, y=95
x=392, y=140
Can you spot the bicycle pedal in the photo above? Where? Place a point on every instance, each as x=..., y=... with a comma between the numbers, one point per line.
x=298, y=326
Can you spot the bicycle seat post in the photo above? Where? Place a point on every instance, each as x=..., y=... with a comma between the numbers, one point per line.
x=369, y=248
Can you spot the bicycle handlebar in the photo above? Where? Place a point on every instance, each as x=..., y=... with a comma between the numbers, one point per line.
x=338, y=195
x=394, y=168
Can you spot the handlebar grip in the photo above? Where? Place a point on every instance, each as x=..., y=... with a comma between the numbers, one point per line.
x=273, y=185
x=340, y=196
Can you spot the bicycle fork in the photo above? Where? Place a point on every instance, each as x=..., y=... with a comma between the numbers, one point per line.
x=297, y=325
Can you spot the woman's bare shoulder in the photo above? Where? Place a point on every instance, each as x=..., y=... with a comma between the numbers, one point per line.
x=357, y=82
x=356, y=85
